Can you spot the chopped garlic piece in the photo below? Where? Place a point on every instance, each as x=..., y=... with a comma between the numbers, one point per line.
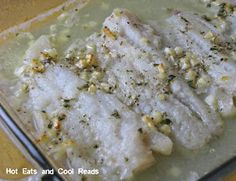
x=191, y=75
x=157, y=117
x=109, y=33
x=37, y=66
x=184, y=63
x=52, y=133
x=49, y=53
x=162, y=97
x=92, y=89
x=194, y=62
x=161, y=68
x=225, y=78
x=87, y=62
x=97, y=75
x=117, y=13
x=84, y=75
x=179, y=51
x=69, y=143
x=145, y=41
x=57, y=125
x=209, y=35
x=165, y=129
x=25, y=88
x=212, y=101
x=44, y=138
x=202, y=82
x=91, y=59
x=170, y=52
x=162, y=76
x=148, y=120
x=106, y=87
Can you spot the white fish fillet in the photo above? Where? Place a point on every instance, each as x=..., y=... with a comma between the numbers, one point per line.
x=144, y=66
x=47, y=92
x=210, y=117
x=185, y=35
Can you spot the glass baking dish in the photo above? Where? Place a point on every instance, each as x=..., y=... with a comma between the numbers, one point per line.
x=19, y=132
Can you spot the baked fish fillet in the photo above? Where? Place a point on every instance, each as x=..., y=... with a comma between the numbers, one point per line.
x=130, y=68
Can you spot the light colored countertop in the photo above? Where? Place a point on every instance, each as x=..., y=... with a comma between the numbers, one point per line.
x=10, y=157
x=13, y=12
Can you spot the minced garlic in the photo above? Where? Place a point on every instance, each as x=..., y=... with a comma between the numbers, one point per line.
x=184, y=63
x=194, y=61
x=148, y=120
x=191, y=75
x=161, y=68
x=37, y=66
x=210, y=36
x=97, y=75
x=117, y=13
x=165, y=129
x=145, y=41
x=24, y=88
x=162, y=97
x=179, y=51
x=109, y=33
x=157, y=121
x=69, y=143
x=225, y=78
x=161, y=71
x=92, y=89
x=85, y=75
x=176, y=52
x=87, y=62
x=202, y=82
x=157, y=117
x=162, y=76
x=52, y=53
x=212, y=101
x=57, y=125
x=49, y=54
x=44, y=138
x=170, y=52
x=90, y=58
x=52, y=133
x=106, y=87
